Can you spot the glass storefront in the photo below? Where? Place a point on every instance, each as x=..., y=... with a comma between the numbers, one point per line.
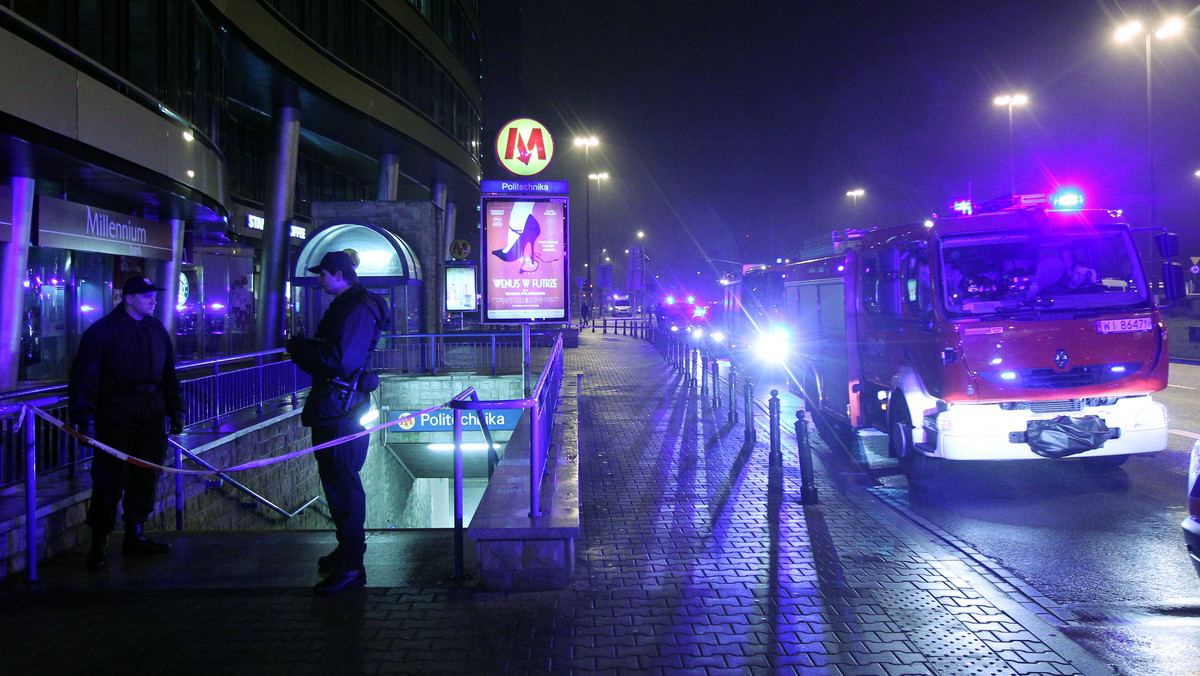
x=216, y=307
x=65, y=292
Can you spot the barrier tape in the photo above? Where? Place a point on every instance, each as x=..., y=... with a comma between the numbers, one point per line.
x=83, y=438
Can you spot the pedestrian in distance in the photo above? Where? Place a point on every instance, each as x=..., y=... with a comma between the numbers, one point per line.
x=338, y=358
x=124, y=392
x=585, y=311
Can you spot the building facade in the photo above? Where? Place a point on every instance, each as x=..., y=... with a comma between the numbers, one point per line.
x=189, y=140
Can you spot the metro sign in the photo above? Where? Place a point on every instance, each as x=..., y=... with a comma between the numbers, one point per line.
x=524, y=147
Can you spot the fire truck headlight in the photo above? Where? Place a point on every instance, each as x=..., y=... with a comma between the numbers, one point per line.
x=718, y=336
x=1154, y=415
x=773, y=345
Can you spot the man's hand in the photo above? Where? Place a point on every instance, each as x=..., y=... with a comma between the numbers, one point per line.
x=176, y=423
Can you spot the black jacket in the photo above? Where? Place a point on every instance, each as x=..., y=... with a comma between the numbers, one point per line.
x=345, y=338
x=124, y=373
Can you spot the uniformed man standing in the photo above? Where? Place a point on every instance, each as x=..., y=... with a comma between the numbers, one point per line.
x=123, y=390
x=337, y=357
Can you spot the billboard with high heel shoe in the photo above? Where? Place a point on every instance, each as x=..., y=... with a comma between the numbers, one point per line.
x=525, y=262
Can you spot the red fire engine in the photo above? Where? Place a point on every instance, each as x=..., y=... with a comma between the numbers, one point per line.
x=1027, y=331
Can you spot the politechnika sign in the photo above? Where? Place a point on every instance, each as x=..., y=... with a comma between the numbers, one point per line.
x=524, y=147
x=67, y=225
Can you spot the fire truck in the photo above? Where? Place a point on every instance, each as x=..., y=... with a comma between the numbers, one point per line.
x=1028, y=329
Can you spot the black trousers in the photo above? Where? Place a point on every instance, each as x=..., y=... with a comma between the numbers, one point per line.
x=112, y=478
x=339, y=468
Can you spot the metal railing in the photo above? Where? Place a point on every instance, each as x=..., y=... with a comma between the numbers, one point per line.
x=215, y=389
x=542, y=403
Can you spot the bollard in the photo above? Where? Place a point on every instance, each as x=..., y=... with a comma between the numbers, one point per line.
x=694, y=355
x=703, y=376
x=732, y=388
x=716, y=378
x=776, y=457
x=808, y=489
x=606, y=327
x=578, y=388
x=749, y=408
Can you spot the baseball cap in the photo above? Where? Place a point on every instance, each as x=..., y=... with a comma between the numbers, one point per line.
x=135, y=285
x=335, y=261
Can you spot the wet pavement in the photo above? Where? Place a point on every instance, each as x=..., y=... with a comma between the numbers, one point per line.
x=697, y=557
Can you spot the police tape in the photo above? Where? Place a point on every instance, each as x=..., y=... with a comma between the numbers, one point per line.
x=138, y=462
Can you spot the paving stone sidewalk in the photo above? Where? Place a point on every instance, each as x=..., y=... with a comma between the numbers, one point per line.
x=696, y=558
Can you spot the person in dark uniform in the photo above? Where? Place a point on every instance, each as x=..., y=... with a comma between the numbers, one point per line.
x=123, y=389
x=337, y=357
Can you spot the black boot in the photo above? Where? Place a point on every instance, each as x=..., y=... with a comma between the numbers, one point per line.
x=136, y=543
x=342, y=580
x=97, y=560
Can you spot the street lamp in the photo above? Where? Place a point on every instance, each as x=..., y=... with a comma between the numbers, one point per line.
x=587, y=142
x=602, y=176
x=1170, y=28
x=856, y=193
x=1011, y=100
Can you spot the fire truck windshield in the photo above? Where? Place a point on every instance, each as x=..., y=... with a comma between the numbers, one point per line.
x=1002, y=273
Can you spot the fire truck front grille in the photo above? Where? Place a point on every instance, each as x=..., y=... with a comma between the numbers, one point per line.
x=1050, y=379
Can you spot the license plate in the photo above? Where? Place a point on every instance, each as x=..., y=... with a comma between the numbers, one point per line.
x=1123, y=325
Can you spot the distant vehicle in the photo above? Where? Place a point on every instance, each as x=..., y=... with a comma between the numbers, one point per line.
x=1191, y=525
x=621, y=307
x=970, y=338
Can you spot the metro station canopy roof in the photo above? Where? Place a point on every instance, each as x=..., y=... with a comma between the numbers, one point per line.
x=380, y=253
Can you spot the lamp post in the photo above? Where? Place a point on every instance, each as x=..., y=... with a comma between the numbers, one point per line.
x=1171, y=28
x=586, y=142
x=641, y=235
x=1011, y=100
x=597, y=178
x=856, y=193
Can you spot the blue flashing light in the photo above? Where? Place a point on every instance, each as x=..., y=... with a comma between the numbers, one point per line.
x=1067, y=199
x=1008, y=375
x=691, y=300
x=670, y=300
x=773, y=345
x=964, y=207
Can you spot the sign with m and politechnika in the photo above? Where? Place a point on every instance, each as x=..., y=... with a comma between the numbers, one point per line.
x=443, y=421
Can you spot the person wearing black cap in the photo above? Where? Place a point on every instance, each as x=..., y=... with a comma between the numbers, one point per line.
x=123, y=390
x=337, y=357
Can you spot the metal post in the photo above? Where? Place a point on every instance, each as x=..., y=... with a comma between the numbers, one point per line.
x=808, y=489
x=493, y=355
x=535, y=446
x=749, y=408
x=716, y=378
x=216, y=423
x=703, y=363
x=178, y=488
x=773, y=428
x=732, y=389
x=691, y=369
x=458, y=495
x=31, y=526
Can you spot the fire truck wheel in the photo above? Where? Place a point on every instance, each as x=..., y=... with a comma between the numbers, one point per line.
x=916, y=465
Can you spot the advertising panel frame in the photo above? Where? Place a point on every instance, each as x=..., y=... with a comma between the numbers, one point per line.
x=524, y=252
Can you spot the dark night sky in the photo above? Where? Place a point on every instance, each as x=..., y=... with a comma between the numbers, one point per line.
x=733, y=130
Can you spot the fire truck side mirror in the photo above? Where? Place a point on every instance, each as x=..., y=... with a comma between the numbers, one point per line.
x=1173, y=284
x=1168, y=244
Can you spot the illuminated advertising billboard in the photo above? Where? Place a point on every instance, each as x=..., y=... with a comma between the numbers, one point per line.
x=460, y=290
x=524, y=259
